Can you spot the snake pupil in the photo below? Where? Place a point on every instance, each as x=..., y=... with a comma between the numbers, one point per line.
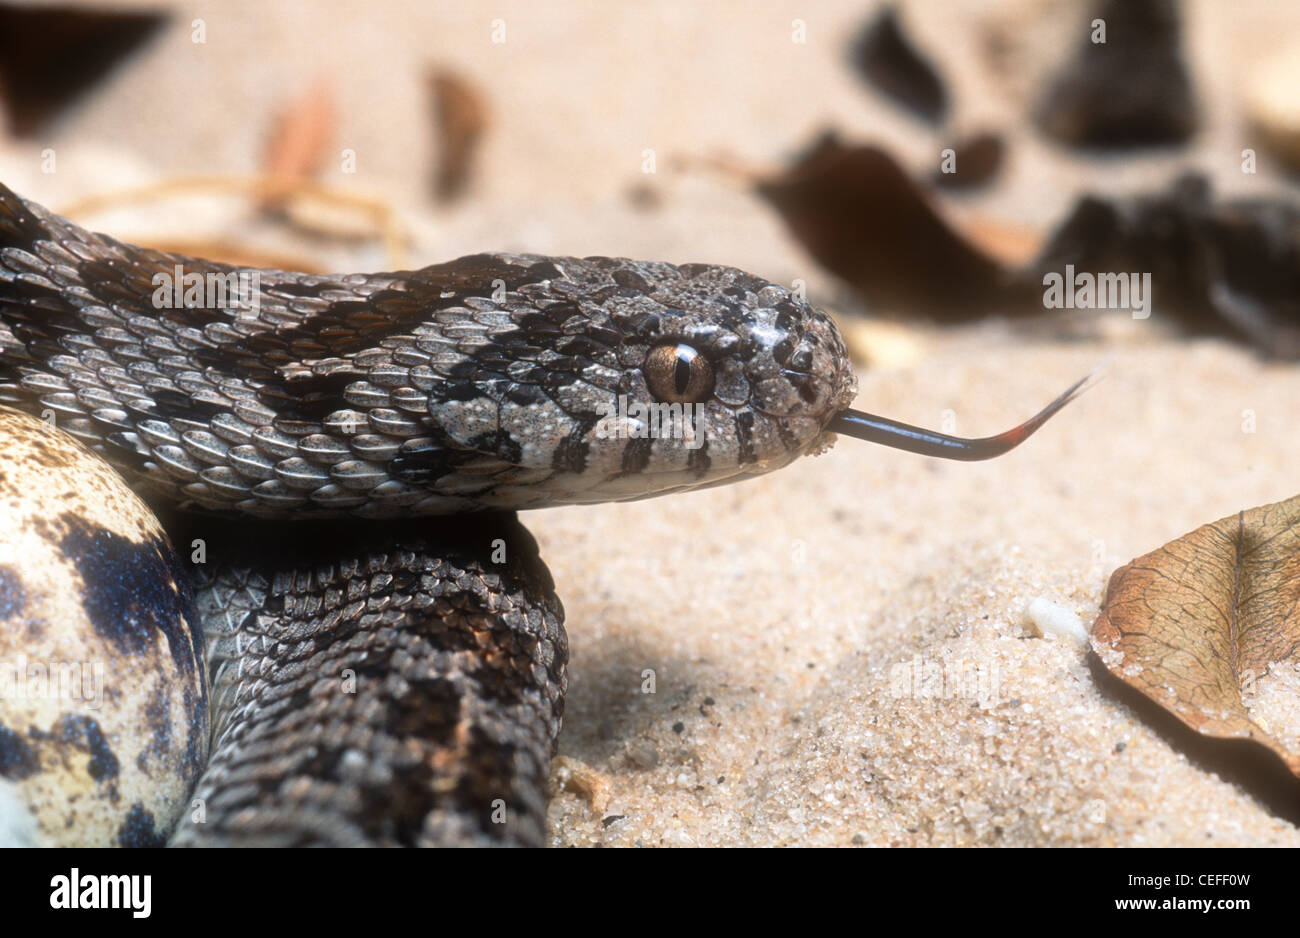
x=682, y=372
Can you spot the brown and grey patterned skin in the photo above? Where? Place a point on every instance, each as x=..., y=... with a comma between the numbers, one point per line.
x=376, y=400
x=403, y=693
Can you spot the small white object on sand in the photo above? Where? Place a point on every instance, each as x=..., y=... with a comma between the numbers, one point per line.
x=1052, y=620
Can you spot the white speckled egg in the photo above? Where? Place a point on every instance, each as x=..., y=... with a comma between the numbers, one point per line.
x=103, y=696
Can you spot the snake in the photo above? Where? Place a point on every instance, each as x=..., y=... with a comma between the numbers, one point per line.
x=347, y=636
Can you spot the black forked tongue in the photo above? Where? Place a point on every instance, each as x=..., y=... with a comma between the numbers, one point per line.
x=875, y=429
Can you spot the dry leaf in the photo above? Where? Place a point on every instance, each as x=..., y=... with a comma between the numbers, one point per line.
x=1195, y=624
x=51, y=56
x=978, y=159
x=856, y=211
x=1223, y=267
x=1130, y=90
x=300, y=138
x=887, y=59
x=461, y=122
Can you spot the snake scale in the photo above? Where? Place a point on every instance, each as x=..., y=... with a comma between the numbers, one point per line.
x=377, y=641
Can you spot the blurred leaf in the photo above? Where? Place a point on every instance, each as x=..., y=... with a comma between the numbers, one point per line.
x=977, y=160
x=49, y=56
x=1194, y=624
x=1130, y=90
x=859, y=214
x=461, y=117
x=887, y=59
x=1217, y=267
x=300, y=137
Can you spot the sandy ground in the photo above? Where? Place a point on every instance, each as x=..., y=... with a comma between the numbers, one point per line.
x=774, y=620
x=775, y=616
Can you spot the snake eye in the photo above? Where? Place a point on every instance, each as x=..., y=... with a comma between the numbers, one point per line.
x=677, y=374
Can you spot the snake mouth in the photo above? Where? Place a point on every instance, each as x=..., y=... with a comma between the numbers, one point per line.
x=863, y=426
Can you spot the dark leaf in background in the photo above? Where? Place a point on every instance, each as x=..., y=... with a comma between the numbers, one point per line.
x=862, y=218
x=1196, y=624
x=461, y=118
x=1131, y=90
x=49, y=56
x=887, y=59
x=1226, y=268
x=1216, y=268
x=978, y=159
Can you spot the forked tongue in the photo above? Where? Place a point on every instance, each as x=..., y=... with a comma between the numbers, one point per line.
x=869, y=427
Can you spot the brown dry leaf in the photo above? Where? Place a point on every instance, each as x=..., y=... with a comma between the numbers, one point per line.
x=462, y=120
x=300, y=138
x=1196, y=623
x=859, y=214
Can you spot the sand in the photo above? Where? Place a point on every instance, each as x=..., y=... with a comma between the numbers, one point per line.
x=775, y=621
x=776, y=615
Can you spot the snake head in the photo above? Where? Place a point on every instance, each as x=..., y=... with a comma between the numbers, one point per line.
x=615, y=379
x=598, y=379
